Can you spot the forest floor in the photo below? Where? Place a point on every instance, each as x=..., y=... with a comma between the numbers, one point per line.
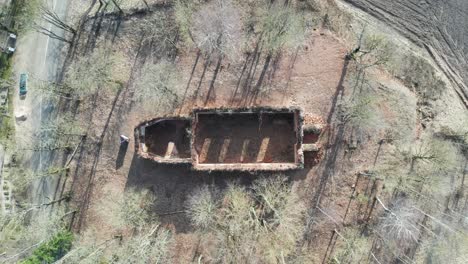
x=315, y=77
x=308, y=79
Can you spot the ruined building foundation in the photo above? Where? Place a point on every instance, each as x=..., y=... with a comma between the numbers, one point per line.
x=251, y=139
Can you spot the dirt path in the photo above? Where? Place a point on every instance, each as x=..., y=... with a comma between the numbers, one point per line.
x=439, y=27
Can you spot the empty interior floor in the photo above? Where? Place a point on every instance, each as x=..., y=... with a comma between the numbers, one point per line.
x=168, y=138
x=245, y=138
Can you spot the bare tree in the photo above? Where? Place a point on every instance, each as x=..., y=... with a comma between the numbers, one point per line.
x=62, y=126
x=418, y=74
x=27, y=15
x=158, y=85
x=183, y=12
x=263, y=223
x=159, y=32
x=447, y=248
x=149, y=246
x=439, y=153
x=99, y=70
x=52, y=18
x=354, y=247
x=203, y=205
x=400, y=224
x=19, y=235
x=140, y=238
x=371, y=51
x=362, y=116
x=123, y=5
x=21, y=179
x=217, y=29
x=280, y=26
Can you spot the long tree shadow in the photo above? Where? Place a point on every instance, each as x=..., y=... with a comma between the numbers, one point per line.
x=339, y=90
x=190, y=80
x=246, y=87
x=289, y=74
x=211, y=91
x=97, y=154
x=126, y=103
x=95, y=27
x=202, y=77
x=335, y=143
x=252, y=94
x=249, y=74
x=173, y=184
x=114, y=28
x=244, y=67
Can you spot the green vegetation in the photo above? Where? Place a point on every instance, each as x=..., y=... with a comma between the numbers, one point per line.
x=279, y=27
x=52, y=250
x=25, y=13
x=20, y=236
x=7, y=126
x=183, y=11
x=22, y=178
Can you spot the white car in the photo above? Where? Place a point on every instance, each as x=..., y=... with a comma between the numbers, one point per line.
x=11, y=44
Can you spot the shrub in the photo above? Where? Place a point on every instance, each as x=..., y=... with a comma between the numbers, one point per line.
x=419, y=74
x=263, y=222
x=51, y=250
x=281, y=27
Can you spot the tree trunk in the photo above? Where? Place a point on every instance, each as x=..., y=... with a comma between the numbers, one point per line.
x=351, y=197
x=146, y=4
x=324, y=260
x=118, y=7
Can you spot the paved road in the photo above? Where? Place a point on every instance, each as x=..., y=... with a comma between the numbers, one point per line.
x=40, y=57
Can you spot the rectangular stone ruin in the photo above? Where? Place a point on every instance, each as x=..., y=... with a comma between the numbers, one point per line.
x=251, y=139
x=247, y=139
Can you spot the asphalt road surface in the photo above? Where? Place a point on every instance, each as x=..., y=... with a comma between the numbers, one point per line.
x=40, y=57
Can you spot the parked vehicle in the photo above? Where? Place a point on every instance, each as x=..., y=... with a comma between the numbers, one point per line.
x=7, y=42
x=23, y=84
x=11, y=47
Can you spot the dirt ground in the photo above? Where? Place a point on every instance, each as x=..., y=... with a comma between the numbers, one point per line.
x=308, y=79
x=312, y=77
x=244, y=138
x=160, y=135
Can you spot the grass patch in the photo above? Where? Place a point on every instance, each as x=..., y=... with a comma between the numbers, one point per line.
x=52, y=250
x=25, y=13
x=7, y=126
